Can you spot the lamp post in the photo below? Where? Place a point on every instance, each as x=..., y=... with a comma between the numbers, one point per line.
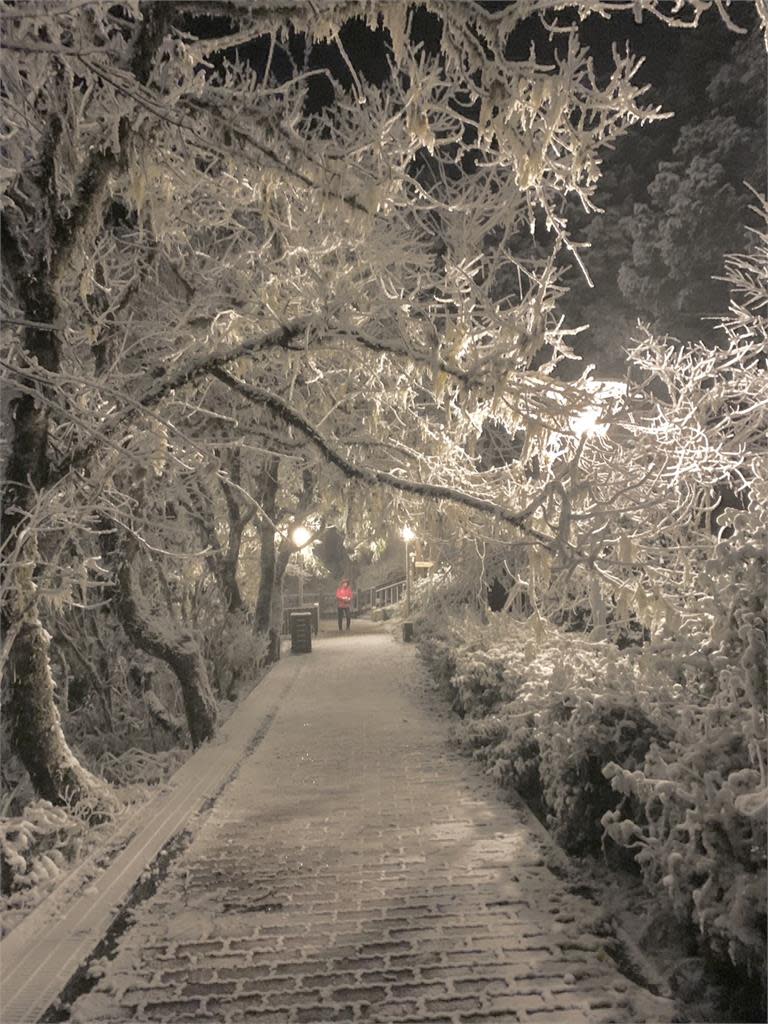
x=407, y=534
x=301, y=536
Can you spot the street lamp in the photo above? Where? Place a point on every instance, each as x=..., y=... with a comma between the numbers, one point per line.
x=407, y=534
x=301, y=536
x=589, y=422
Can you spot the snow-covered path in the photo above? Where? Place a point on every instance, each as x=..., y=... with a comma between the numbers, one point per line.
x=358, y=869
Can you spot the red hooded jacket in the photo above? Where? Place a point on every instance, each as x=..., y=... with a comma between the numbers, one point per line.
x=344, y=596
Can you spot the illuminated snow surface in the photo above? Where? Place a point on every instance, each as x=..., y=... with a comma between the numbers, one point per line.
x=359, y=868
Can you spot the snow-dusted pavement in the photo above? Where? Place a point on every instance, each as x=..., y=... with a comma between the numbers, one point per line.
x=357, y=868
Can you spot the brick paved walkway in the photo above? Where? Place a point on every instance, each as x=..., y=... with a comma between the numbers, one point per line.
x=359, y=869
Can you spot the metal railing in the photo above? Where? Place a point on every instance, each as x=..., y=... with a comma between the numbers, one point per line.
x=382, y=597
x=324, y=599
x=363, y=601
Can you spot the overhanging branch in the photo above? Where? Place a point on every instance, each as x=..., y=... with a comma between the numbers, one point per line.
x=293, y=418
x=172, y=380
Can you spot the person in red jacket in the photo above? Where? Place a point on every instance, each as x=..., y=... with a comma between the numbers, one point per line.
x=344, y=597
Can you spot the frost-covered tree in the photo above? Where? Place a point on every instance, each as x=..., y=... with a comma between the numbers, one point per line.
x=175, y=220
x=624, y=686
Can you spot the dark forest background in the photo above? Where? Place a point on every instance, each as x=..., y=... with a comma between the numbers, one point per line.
x=674, y=193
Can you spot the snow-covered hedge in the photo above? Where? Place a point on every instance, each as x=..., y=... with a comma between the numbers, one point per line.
x=545, y=711
x=234, y=651
x=38, y=847
x=34, y=847
x=700, y=838
x=658, y=749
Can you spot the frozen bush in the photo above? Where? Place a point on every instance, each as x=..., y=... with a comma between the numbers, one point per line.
x=35, y=846
x=235, y=652
x=701, y=843
x=483, y=679
x=575, y=744
x=545, y=711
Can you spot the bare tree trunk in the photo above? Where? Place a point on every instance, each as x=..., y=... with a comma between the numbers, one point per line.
x=35, y=725
x=274, y=561
x=179, y=652
x=222, y=561
x=267, y=616
x=237, y=522
x=36, y=734
x=230, y=586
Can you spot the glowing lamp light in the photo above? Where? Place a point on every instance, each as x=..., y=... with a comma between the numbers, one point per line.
x=587, y=423
x=301, y=536
x=605, y=394
x=407, y=534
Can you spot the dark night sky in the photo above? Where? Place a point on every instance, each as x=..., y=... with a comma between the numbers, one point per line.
x=662, y=47
x=659, y=44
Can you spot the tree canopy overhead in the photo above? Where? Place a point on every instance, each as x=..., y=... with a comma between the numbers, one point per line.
x=200, y=260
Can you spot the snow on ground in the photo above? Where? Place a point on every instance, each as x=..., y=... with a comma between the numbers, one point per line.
x=358, y=867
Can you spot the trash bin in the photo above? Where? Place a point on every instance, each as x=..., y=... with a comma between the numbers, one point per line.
x=301, y=632
x=408, y=632
x=314, y=611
